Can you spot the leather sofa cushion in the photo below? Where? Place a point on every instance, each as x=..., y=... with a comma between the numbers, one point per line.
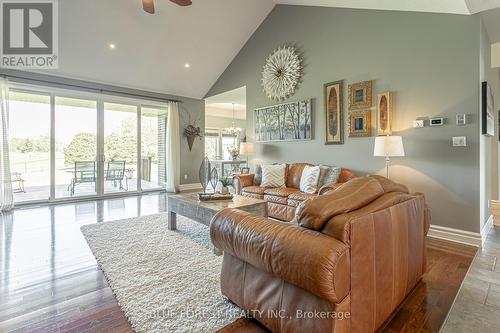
x=254, y=190
x=279, y=195
x=281, y=191
x=277, y=211
x=320, y=265
x=351, y=196
x=295, y=199
x=294, y=174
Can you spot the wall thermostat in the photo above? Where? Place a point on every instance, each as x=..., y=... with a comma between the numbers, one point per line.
x=459, y=141
x=436, y=122
x=461, y=119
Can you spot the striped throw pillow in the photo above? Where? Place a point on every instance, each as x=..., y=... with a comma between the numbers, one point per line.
x=273, y=175
x=309, y=179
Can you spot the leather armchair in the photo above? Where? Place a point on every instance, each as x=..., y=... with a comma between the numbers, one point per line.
x=347, y=262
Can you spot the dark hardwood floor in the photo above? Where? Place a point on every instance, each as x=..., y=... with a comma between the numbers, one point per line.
x=50, y=282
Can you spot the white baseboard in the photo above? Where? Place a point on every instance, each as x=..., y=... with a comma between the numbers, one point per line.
x=190, y=187
x=455, y=235
x=486, y=229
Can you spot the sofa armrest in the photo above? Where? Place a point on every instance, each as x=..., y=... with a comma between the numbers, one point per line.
x=346, y=175
x=329, y=187
x=241, y=181
x=307, y=259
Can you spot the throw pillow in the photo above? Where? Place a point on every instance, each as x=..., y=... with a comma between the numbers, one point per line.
x=309, y=179
x=258, y=175
x=328, y=175
x=273, y=175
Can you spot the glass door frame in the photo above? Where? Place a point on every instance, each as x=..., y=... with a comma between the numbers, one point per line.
x=100, y=99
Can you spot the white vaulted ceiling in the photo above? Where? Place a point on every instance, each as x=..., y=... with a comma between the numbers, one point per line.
x=152, y=50
x=465, y=7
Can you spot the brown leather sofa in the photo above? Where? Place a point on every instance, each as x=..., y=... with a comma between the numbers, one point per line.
x=282, y=202
x=344, y=264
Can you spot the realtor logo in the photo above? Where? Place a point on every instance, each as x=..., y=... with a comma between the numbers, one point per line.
x=29, y=34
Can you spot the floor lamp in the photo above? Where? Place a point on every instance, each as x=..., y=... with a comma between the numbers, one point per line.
x=388, y=146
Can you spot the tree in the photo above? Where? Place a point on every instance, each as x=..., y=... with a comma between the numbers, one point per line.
x=26, y=146
x=120, y=147
x=112, y=146
x=41, y=144
x=81, y=148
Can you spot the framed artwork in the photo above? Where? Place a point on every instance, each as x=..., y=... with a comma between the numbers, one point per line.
x=360, y=123
x=487, y=116
x=360, y=95
x=384, y=113
x=283, y=122
x=334, y=123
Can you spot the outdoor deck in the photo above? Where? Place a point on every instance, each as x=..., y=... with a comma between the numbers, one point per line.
x=36, y=193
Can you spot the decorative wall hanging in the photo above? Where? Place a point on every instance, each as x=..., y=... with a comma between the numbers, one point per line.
x=191, y=129
x=384, y=113
x=334, y=129
x=281, y=73
x=360, y=95
x=284, y=122
x=360, y=123
x=487, y=116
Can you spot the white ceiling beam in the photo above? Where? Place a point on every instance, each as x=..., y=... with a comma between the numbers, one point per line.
x=477, y=6
x=433, y=6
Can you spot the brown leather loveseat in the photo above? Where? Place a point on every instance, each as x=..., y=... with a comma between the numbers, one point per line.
x=344, y=264
x=282, y=202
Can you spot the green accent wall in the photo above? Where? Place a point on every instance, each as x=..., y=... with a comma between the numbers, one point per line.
x=430, y=61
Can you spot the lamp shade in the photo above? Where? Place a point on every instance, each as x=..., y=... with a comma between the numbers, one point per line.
x=388, y=146
x=247, y=148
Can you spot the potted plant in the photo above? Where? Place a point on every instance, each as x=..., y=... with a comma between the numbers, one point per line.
x=225, y=182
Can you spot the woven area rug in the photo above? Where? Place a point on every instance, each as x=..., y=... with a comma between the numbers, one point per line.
x=164, y=281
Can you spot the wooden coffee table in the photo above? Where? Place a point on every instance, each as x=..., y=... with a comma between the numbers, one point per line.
x=187, y=205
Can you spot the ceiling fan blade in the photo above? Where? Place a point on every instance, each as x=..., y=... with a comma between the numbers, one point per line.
x=148, y=6
x=182, y=2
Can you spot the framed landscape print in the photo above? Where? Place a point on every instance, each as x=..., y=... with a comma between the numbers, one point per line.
x=384, y=113
x=487, y=116
x=360, y=123
x=360, y=95
x=334, y=128
x=284, y=122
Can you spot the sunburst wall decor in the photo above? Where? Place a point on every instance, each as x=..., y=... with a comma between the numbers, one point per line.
x=281, y=73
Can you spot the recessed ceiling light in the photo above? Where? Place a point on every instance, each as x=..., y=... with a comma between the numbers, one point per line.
x=186, y=65
x=112, y=46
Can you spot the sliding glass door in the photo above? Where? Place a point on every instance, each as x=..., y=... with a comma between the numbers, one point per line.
x=75, y=147
x=66, y=144
x=29, y=145
x=120, y=147
x=153, y=147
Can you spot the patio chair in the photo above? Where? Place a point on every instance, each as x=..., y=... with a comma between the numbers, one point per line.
x=116, y=173
x=85, y=172
x=16, y=178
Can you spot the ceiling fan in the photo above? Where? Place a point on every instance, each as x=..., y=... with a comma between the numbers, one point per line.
x=149, y=6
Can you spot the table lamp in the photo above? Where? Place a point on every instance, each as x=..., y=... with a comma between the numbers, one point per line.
x=388, y=146
x=247, y=148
